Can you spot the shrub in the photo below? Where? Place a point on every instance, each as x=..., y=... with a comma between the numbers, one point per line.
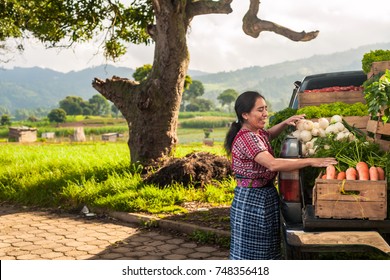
x=373, y=56
x=206, y=122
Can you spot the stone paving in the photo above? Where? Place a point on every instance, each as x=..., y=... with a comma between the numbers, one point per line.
x=44, y=235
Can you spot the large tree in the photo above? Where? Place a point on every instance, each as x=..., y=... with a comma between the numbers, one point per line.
x=227, y=97
x=99, y=105
x=150, y=107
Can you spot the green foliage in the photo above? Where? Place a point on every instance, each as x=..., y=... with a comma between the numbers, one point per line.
x=99, y=106
x=195, y=90
x=276, y=118
x=281, y=115
x=213, y=194
x=115, y=110
x=79, y=21
x=4, y=132
x=357, y=150
x=187, y=82
x=5, y=120
x=97, y=175
x=57, y=115
x=336, y=108
x=373, y=56
x=377, y=95
x=227, y=97
x=73, y=105
x=206, y=122
x=141, y=73
x=189, y=115
x=189, y=147
x=199, y=104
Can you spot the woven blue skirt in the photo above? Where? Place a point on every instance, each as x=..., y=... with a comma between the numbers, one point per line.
x=255, y=224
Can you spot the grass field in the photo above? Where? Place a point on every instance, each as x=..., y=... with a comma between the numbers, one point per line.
x=190, y=128
x=97, y=175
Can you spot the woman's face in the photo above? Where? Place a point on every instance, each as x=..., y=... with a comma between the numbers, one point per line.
x=257, y=117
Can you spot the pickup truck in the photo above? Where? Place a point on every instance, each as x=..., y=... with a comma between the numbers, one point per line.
x=304, y=234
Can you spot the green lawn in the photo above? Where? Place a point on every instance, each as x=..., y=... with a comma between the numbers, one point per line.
x=97, y=175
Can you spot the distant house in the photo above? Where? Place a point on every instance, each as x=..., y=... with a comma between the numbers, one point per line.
x=110, y=137
x=48, y=135
x=22, y=134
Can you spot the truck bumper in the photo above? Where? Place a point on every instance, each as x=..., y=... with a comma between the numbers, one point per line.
x=326, y=241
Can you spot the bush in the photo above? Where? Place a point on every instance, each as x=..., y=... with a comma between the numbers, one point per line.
x=5, y=120
x=373, y=56
x=57, y=115
x=206, y=122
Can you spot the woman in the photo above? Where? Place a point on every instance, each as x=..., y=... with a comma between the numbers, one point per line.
x=254, y=214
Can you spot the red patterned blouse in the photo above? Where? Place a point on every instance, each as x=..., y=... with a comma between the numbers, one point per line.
x=246, y=146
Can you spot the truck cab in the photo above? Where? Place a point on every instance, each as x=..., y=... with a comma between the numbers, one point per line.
x=303, y=232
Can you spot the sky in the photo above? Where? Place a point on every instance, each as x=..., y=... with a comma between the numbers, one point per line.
x=217, y=43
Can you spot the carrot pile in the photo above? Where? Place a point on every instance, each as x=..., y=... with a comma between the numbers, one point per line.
x=360, y=172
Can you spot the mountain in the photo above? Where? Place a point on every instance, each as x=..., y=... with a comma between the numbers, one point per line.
x=29, y=88
x=32, y=88
x=275, y=81
x=37, y=87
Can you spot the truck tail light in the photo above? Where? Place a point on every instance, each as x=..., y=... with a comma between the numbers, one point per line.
x=289, y=186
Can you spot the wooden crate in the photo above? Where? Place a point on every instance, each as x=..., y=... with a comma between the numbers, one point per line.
x=359, y=122
x=378, y=67
x=380, y=132
x=350, y=199
x=318, y=98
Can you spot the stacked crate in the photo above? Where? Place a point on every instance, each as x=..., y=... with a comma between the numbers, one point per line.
x=379, y=130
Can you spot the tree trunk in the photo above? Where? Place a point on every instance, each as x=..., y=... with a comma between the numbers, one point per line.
x=151, y=108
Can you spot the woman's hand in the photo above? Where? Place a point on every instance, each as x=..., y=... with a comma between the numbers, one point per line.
x=294, y=119
x=323, y=162
x=277, y=129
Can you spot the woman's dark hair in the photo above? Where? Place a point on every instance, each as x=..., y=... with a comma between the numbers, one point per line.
x=244, y=104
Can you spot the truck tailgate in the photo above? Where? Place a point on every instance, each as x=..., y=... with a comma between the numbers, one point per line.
x=312, y=223
x=327, y=241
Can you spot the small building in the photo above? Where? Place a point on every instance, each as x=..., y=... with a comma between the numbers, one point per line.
x=112, y=137
x=22, y=134
x=48, y=135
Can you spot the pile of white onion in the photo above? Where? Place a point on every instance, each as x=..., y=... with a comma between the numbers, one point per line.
x=307, y=131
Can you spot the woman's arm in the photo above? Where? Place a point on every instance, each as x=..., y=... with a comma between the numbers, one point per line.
x=288, y=164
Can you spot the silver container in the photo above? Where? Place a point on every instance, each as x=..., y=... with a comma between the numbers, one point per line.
x=291, y=148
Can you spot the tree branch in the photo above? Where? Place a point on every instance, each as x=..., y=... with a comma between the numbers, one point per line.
x=113, y=89
x=252, y=26
x=204, y=7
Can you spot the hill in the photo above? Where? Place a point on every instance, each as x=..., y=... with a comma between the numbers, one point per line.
x=37, y=87
x=275, y=81
x=32, y=88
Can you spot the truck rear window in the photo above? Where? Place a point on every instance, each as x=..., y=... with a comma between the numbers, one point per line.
x=327, y=82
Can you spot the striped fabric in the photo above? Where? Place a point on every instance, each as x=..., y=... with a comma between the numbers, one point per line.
x=255, y=221
x=246, y=146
